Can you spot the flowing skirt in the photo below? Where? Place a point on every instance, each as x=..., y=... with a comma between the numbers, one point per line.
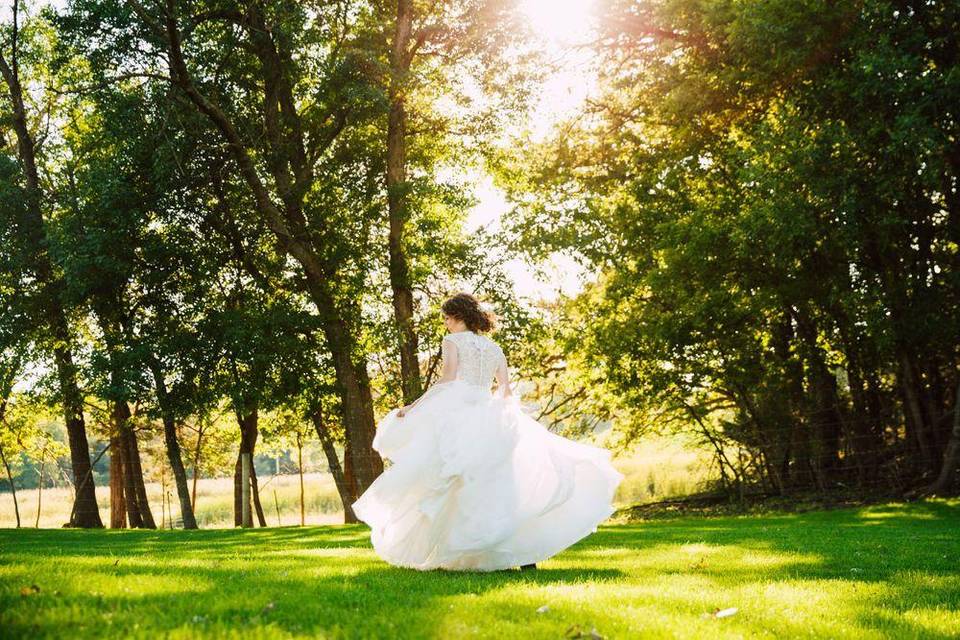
x=477, y=484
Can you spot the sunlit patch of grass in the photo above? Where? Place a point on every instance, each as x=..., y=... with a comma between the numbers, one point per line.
x=895, y=511
x=830, y=574
x=942, y=622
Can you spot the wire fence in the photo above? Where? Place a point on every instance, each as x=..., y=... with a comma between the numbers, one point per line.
x=893, y=462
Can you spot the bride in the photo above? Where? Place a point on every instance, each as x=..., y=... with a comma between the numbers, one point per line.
x=474, y=482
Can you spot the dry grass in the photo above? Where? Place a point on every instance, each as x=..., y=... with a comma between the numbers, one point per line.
x=654, y=470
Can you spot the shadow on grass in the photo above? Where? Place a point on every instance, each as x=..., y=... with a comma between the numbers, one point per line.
x=114, y=542
x=295, y=587
x=906, y=555
x=327, y=581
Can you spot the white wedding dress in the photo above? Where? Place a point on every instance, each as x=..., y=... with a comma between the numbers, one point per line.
x=474, y=482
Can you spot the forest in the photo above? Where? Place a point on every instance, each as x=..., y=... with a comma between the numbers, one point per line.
x=227, y=228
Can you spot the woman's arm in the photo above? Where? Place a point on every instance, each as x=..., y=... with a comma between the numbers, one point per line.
x=447, y=374
x=502, y=374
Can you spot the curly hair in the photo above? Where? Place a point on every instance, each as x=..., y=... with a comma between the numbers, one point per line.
x=465, y=307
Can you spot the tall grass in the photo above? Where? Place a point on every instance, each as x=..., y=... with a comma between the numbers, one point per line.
x=661, y=468
x=214, y=502
x=656, y=469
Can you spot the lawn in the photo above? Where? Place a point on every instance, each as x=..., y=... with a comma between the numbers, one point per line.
x=881, y=571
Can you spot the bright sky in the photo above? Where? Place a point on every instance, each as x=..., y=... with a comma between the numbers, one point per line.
x=561, y=25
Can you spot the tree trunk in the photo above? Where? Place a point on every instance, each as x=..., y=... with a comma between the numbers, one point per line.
x=863, y=442
x=800, y=454
x=134, y=517
x=179, y=473
x=398, y=202
x=246, y=464
x=794, y=460
x=908, y=384
x=85, y=512
x=163, y=501
x=13, y=489
x=348, y=475
x=357, y=401
x=824, y=409
x=767, y=449
x=135, y=491
x=196, y=471
x=118, y=507
x=43, y=458
x=339, y=477
x=935, y=396
x=255, y=491
x=866, y=424
x=133, y=451
x=173, y=450
x=249, y=432
x=240, y=498
x=951, y=457
x=303, y=512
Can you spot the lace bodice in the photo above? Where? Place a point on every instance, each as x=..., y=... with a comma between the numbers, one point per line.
x=478, y=357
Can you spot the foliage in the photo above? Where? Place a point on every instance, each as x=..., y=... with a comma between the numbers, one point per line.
x=28, y=435
x=769, y=191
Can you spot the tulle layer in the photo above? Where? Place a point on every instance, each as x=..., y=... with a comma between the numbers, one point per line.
x=476, y=484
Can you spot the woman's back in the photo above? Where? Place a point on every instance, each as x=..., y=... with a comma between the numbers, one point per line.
x=478, y=357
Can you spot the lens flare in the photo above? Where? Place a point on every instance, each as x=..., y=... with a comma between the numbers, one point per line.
x=564, y=22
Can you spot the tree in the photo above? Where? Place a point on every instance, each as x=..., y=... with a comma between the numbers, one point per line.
x=281, y=46
x=36, y=241
x=771, y=211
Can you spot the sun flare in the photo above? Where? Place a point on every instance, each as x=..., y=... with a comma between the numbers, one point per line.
x=563, y=22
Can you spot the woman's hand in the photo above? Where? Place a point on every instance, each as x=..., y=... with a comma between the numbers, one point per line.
x=403, y=410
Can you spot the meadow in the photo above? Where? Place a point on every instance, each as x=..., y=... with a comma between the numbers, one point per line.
x=872, y=572
x=655, y=469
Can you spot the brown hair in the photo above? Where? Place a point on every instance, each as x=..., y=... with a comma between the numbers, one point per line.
x=466, y=308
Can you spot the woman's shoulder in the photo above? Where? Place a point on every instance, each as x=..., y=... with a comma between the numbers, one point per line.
x=473, y=338
x=455, y=338
x=492, y=344
x=462, y=335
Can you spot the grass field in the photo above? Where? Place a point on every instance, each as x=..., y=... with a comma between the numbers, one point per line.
x=657, y=468
x=872, y=572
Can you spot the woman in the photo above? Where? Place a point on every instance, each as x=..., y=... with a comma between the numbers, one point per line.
x=475, y=483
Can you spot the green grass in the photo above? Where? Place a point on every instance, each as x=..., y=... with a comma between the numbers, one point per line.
x=882, y=571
